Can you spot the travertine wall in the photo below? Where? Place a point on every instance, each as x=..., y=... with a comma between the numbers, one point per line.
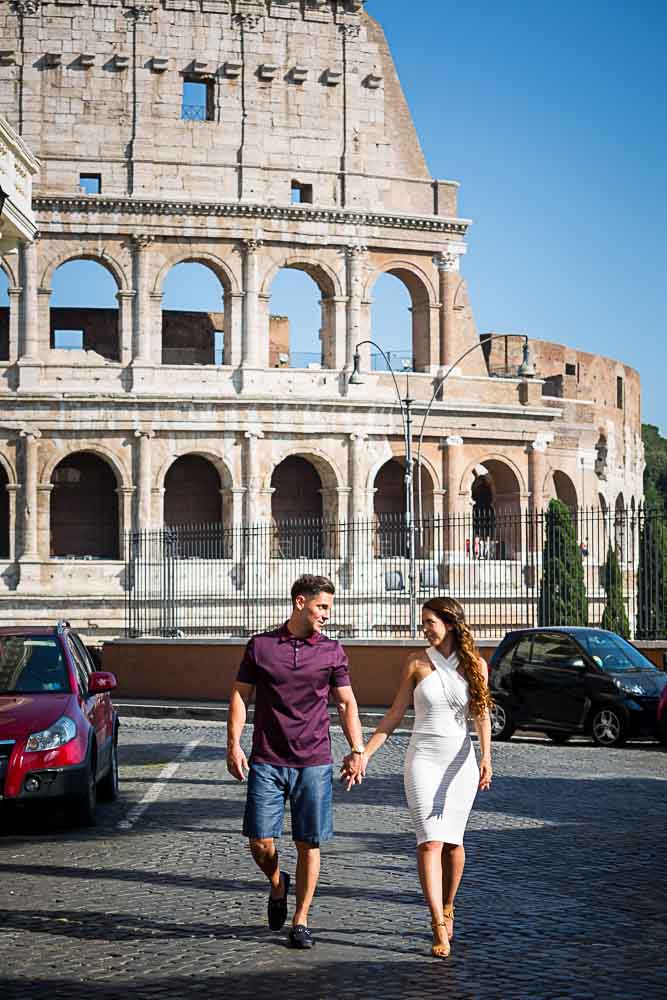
x=301, y=93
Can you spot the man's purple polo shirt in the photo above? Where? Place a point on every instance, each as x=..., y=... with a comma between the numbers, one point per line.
x=292, y=678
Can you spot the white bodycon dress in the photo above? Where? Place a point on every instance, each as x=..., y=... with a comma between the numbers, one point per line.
x=441, y=775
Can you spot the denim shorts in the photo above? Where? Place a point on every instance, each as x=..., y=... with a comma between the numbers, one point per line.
x=310, y=794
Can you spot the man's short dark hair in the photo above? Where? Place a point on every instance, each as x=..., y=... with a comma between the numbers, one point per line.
x=310, y=586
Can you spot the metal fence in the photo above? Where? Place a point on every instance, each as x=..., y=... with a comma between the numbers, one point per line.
x=509, y=568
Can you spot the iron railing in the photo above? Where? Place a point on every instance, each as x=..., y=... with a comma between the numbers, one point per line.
x=509, y=568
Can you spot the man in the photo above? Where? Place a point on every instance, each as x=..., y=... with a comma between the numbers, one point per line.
x=292, y=671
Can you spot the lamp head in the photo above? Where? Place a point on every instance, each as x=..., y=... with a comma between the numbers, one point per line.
x=356, y=378
x=527, y=366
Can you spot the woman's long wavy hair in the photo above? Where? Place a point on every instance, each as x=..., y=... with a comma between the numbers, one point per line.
x=450, y=611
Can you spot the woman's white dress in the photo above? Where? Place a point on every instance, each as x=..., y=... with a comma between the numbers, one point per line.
x=441, y=775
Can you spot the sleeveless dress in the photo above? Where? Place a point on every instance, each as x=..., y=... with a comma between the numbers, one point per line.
x=441, y=775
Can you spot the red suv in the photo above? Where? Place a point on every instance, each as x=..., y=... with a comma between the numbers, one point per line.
x=58, y=726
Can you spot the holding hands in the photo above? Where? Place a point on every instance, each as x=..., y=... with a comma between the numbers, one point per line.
x=353, y=768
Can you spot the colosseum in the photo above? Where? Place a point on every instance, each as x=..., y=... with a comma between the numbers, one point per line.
x=249, y=137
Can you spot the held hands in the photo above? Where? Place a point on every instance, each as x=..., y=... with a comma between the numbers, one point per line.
x=237, y=763
x=353, y=769
x=485, y=774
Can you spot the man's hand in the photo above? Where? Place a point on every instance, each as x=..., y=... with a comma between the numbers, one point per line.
x=237, y=763
x=353, y=769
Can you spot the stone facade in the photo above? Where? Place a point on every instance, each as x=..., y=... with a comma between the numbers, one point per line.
x=303, y=155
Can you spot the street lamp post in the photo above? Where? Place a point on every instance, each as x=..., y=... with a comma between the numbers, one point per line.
x=356, y=378
x=525, y=370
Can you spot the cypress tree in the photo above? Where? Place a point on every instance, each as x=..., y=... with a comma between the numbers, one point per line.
x=652, y=575
x=614, y=616
x=562, y=599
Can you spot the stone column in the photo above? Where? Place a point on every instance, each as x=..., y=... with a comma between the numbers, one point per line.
x=252, y=476
x=141, y=327
x=125, y=496
x=29, y=360
x=29, y=561
x=144, y=476
x=251, y=332
x=14, y=293
x=537, y=470
x=155, y=325
x=44, y=540
x=338, y=313
x=453, y=472
x=125, y=302
x=355, y=258
x=233, y=329
x=12, y=490
x=447, y=263
x=43, y=322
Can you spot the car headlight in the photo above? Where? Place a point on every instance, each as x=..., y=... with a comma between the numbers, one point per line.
x=55, y=736
x=629, y=688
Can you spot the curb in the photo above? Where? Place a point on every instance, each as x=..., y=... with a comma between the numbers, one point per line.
x=219, y=713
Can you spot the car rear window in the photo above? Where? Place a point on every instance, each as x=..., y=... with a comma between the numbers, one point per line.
x=32, y=665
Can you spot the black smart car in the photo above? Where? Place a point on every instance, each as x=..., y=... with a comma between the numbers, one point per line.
x=564, y=681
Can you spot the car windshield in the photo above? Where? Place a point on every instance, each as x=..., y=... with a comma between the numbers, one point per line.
x=613, y=653
x=31, y=665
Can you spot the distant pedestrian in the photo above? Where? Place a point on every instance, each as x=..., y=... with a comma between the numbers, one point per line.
x=476, y=547
x=446, y=681
x=583, y=548
x=292, y=671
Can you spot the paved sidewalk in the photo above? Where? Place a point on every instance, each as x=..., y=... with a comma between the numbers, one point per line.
x=563, y=897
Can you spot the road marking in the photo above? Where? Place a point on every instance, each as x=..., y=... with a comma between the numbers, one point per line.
x=155, y=790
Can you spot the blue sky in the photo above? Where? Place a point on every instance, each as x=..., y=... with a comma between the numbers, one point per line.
x=553, y=119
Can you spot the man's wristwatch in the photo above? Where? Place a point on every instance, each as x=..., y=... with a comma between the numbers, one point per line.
x=357, y=749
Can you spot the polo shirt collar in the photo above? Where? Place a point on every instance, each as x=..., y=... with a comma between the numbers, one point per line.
x=284, y=635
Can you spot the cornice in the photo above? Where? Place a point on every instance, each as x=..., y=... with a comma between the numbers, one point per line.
x=97, y=205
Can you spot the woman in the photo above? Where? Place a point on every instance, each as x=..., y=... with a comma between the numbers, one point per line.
x=448, y=682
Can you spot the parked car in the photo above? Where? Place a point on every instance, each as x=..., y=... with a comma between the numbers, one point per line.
x=662, y=715
x=564, y=681
x=58, y=726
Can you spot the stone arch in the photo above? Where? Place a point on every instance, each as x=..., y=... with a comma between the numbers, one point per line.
x=495, y=487
x=565, y=490
x=388, y=485
x=323, y=349
x=300, y=530
x=10, y=271
x=327, y=468
x=220, y=268
x=215, y=458
x=84, y=510
x=91, y=326
x=194, y=335
x=108, y=261
x=423, y=298
x=113, y=459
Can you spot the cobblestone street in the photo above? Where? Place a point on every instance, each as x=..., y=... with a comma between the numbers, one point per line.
x=563, y=897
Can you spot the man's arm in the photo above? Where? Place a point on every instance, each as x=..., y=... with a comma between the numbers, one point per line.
x=237, y=763
x=348, y=712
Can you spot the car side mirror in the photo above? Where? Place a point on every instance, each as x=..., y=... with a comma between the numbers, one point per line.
x=101, y=681
x=576, y=662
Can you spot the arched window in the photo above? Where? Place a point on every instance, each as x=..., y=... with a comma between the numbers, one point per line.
x=296, y=508
x=496, y=512
x=194, y=327
x=84, y=309
x=300, y=320
x=401, y=320
x=84, y=508
x=565, y=491
x=4, y=316
x=4, y=515
x=390, y=513
x=391, y=324
x=192, y=492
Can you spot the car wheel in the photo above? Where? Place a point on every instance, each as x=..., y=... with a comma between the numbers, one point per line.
x=502, y=727
x=107, y=788
x=607, y=727
x=84, y=807
x=560, y=739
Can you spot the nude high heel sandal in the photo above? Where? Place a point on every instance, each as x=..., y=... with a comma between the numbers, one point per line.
x=448, y=914
x=440, y=949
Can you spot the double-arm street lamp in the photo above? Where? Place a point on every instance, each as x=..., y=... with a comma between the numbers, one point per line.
x=525, y=370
